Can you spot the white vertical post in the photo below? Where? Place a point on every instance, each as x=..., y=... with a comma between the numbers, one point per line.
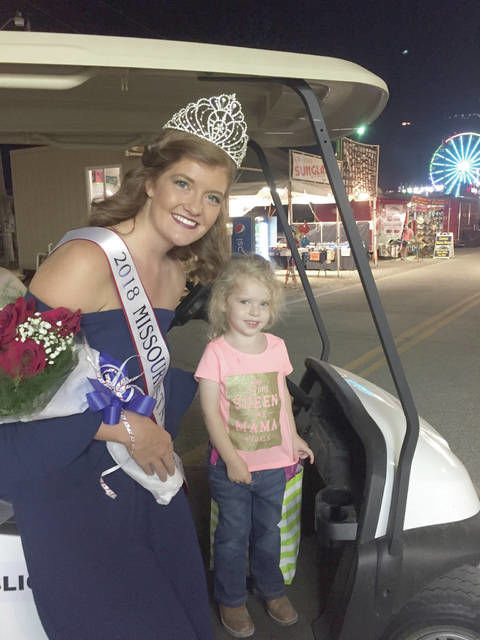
x=459, y=219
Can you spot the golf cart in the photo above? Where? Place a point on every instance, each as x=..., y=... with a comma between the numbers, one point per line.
x=392, y=501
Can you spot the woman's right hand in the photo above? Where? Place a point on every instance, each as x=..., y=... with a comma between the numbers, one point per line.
x=153, y=450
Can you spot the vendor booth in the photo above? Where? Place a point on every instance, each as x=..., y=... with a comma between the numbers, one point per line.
x=425, y=215
x=429, y=216
x=312, y=212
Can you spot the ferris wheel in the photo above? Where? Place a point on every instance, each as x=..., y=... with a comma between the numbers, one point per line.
x=456, y=162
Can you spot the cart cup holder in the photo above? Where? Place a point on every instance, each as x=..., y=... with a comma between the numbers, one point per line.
x=335, y=516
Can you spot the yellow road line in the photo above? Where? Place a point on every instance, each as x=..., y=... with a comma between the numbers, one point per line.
x=422, y=335
x=373, y=353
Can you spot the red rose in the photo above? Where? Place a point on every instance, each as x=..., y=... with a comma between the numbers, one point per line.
x=23, y=359
x=24, y=309
x=11, y=316
x=70, y=320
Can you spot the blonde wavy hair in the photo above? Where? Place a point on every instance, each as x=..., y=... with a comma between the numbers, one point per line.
x=204, y=258
x=240, y=267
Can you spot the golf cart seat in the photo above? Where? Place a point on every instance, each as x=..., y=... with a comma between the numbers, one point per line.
x=350, y=456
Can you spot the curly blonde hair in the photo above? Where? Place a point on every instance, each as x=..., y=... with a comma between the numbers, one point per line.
x=204, y=258
x=240, y=267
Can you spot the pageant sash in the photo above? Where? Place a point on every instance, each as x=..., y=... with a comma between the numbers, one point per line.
x=151, y=349
x=143, y=325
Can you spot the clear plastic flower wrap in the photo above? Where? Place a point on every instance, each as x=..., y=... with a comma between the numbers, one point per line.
x=48, y=370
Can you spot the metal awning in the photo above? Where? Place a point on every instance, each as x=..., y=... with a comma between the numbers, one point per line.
x=97, y=91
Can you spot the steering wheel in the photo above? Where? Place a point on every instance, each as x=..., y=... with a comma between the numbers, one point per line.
x=193, y=306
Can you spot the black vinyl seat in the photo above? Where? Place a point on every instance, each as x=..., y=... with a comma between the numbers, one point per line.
x=350, y=453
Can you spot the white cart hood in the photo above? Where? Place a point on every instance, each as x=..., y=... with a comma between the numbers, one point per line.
x=440, y=489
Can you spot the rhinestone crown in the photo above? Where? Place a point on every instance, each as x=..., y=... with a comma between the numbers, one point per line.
x=219, y=120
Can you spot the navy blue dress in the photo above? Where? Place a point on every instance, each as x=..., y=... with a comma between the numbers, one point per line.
x=125, y=569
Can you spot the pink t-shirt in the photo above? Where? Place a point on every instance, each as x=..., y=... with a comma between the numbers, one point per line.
x=252, y=400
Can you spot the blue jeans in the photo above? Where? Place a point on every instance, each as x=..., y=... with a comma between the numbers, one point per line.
x=248, y=519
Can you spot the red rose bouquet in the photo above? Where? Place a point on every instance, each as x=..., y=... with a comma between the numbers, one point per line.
x=45, y=373
x=36, y=355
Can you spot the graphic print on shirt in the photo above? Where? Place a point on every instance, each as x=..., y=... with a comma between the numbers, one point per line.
x=254, y=415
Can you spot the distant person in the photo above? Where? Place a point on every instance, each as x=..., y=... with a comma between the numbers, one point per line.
x=407, y=235
x=290, y=264
x=254, y=439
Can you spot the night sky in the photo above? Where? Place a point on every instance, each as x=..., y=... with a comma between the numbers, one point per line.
x=435, y=85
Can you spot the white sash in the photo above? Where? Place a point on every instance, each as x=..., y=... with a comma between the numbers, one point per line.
x=146, y=334
x=150, y=346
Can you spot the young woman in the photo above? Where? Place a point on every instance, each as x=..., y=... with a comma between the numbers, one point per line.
x=407, y=235
x=126, y=569
x=249, y=418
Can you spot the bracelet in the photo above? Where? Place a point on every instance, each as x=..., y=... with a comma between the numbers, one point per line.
x=131, y=433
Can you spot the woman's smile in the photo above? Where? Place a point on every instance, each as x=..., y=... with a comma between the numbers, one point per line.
x=185, y=201
x=184, y=221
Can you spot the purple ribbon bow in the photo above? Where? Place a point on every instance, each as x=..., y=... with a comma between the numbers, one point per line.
x=114, y=391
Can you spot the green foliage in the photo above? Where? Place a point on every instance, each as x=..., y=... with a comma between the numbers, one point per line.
x=24, y=397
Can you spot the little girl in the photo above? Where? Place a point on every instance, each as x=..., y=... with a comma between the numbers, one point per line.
x=249, y=418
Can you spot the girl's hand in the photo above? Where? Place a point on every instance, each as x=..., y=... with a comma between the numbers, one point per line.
x=237, y=471
x=153, y=446
x=301, y=449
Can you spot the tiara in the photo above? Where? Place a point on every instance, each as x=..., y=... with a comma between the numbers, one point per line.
x=219, y=120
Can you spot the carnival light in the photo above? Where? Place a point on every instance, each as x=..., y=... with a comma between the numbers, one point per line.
x=456, y=162
x=362, y=196
x=420, y=190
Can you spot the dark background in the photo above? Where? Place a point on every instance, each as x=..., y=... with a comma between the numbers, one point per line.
x=435, y=85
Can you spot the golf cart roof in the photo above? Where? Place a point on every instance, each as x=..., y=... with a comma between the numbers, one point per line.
x=77, y=90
